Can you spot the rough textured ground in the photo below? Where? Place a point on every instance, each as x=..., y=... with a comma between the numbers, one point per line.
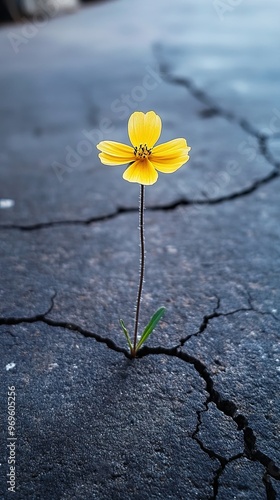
x=197, y=414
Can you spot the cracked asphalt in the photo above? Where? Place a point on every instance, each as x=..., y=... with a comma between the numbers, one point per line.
x=196, y=415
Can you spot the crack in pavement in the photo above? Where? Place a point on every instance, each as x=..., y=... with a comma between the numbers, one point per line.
x=264, y=313
x=271, y=495
x=216, y=314
x=227, y=407
x=212, y=110
x=67, y=222
x=63, y=324
x=270, y=492
x=182, y=202
x=220, y=471
x=211, y=453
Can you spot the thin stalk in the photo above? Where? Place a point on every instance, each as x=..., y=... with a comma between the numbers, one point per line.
x=142, y=264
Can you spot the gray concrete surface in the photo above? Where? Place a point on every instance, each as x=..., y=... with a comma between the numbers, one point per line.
x=196, y=415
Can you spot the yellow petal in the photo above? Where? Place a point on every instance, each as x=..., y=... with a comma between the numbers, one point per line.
x=141, y=171
x=144, y=128
x=115, y=153
x=114, y=160
x=170, y=148
x=170, y=156
x=115, y=148
x=168, y=166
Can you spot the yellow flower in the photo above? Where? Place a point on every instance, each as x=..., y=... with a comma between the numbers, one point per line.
x=144, y=157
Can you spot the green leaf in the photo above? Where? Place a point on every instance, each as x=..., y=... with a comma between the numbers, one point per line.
x=151, y=326
x=126, y=334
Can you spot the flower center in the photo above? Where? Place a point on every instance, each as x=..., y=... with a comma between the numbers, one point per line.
x=142, y=152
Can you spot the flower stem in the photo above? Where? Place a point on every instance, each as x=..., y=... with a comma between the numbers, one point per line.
x=142, y=264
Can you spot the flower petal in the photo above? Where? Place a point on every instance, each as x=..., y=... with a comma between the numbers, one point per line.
x=170, y=148
x=171, y=165
x=115, y=153
x=115, y=148
x=170, y=156
x=112, y=160
x=144, y=128
x=141, y=171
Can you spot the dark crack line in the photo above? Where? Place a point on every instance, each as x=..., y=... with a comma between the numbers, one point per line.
x=73, y=222
x=183, y=202
x=29, y=319
x=86, y=333
x=69, y=326
x=264, y=313
x=202, y=96
x=274, y=174
x=265, y=151
x=227, y=407
x=51, y=304
x=63, y=324
x=270, y=492
x=271, y=495
x=216, y=314
x=204, y=324
x=215, y=110
x=220, y=470
x=205, y=99
x=211, y=453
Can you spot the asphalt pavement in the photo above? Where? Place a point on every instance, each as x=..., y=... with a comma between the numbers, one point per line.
x=196, y=415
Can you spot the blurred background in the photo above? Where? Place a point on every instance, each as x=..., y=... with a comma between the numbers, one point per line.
x=13, y=10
